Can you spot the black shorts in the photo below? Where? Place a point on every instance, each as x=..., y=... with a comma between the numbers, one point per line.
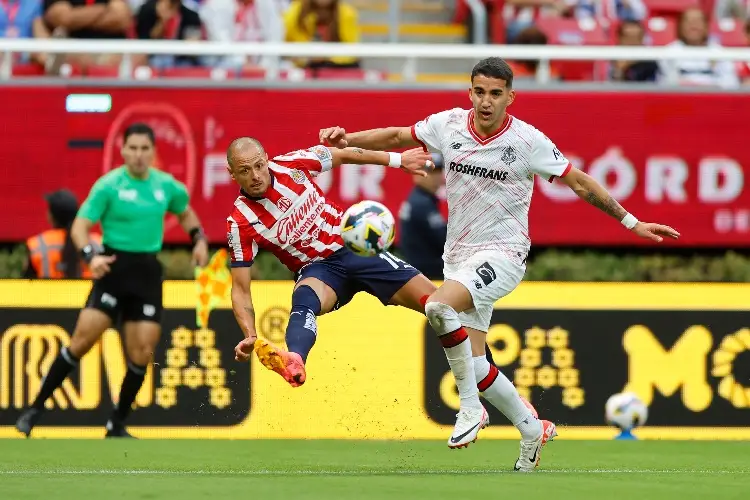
x=132, y=290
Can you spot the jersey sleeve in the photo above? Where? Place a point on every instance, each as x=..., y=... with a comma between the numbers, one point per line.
x=96, y=203
x=242, y=247
x=430, y=131
x=179, y=199
x=546, y=160
x=314, y=160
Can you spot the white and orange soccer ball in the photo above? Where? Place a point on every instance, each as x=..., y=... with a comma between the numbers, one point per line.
x=368, y=228
x=626, y=411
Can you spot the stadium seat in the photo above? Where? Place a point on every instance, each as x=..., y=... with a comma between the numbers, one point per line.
x=27, y=70
x=730, y=32
x=103, y=71
x=670, y=8
x=197, y=72
x=349, y=74
x=561, y=31
x=661, y=31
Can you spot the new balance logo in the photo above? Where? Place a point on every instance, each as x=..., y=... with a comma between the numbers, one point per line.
x=456, y=145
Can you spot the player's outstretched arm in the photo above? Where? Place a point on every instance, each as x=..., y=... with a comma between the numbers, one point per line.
x=379, y=139
x=244, y=313
x=415, y=161
x=595, y=194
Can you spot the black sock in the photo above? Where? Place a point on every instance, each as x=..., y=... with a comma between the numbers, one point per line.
x=61, y=367
x=130, y=386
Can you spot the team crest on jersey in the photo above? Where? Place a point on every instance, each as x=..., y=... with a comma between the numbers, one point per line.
x=509, y=155
x=297, y=176
x=322, y=152
x=284, y=203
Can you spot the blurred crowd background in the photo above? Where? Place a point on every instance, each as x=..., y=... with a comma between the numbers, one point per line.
x=677, y=23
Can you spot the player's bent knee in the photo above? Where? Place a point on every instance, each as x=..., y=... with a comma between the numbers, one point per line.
x=442, y=317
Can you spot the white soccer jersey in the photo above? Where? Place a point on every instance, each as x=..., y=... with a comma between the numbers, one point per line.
x=293, y=219
x=489, y=181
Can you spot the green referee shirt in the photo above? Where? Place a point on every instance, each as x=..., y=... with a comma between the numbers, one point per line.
x=132, y=210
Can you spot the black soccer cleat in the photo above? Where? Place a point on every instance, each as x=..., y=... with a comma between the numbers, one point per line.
x=28, y=420
x=116, y=429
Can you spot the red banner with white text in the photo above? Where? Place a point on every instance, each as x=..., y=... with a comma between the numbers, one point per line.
x=679, y=159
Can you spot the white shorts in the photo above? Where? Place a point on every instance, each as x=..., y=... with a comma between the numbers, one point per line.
x=488, y=275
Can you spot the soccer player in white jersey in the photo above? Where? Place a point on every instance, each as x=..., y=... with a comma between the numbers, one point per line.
x=490, y=159
x=281, y=210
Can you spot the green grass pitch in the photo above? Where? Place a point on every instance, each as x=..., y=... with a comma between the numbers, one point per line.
x=182, y=469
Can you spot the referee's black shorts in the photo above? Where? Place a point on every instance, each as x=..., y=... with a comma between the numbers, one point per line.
x=132, y=290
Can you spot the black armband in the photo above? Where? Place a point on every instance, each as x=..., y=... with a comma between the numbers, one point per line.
x=197, y=234
x=88, y=253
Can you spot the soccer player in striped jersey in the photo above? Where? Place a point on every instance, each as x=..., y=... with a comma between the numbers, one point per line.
x=280, y=209
x=490, y=160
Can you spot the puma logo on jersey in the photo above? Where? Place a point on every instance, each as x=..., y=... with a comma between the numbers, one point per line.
x=487, y=173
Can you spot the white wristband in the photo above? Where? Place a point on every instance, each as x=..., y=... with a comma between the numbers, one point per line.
x=394, y=160
x=629, y=221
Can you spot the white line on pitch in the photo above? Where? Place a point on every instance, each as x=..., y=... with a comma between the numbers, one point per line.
x=375, y=472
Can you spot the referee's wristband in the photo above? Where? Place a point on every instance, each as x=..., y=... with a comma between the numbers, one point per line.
x=629, y=221
x=197, y=234
x=88, y=253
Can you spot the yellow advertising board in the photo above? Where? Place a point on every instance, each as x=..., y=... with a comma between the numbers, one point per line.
x=378, y=373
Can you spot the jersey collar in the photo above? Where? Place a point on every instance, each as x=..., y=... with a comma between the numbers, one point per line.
x=486, y=140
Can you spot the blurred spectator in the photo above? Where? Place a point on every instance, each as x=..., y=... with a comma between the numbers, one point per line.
x=167, y=20
x=743, y=69
x=322, y=21
x=52, y=253
x=87, y=19
x=244, y=21
x=422, y=227
x=732, y=9
x=611, y=10
x=692, y=31
x=23, y=19
x=526, y=70
x=632, y=34
x=520, y=14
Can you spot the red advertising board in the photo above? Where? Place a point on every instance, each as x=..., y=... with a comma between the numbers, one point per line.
x=675, y=158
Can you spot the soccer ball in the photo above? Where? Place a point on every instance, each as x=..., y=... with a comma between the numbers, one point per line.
x=368, y=228
x=626, y=411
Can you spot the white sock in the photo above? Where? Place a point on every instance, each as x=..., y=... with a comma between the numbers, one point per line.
x=455, y=341
x=503, y=395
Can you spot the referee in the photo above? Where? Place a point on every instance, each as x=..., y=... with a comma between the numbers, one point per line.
x=130, y=202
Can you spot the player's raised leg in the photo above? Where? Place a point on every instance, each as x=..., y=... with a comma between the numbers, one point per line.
x=90, y=326
x=442, y=310
x=311, y=298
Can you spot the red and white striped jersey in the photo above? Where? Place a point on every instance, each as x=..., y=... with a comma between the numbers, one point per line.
x=293, y=220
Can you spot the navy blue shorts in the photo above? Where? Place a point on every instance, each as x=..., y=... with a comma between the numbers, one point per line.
x=348, y=273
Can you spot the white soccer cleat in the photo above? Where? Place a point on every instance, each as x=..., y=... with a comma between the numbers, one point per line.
x=469, y=422
x=531, y=451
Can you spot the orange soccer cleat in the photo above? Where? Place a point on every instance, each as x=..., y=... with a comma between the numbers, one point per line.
x=287, y=364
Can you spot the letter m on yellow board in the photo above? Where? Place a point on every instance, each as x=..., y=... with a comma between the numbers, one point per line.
x=651, y=366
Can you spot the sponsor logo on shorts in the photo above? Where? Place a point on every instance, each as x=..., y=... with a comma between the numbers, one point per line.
x=487, y=173
x=108, y=300
x=486, y=273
